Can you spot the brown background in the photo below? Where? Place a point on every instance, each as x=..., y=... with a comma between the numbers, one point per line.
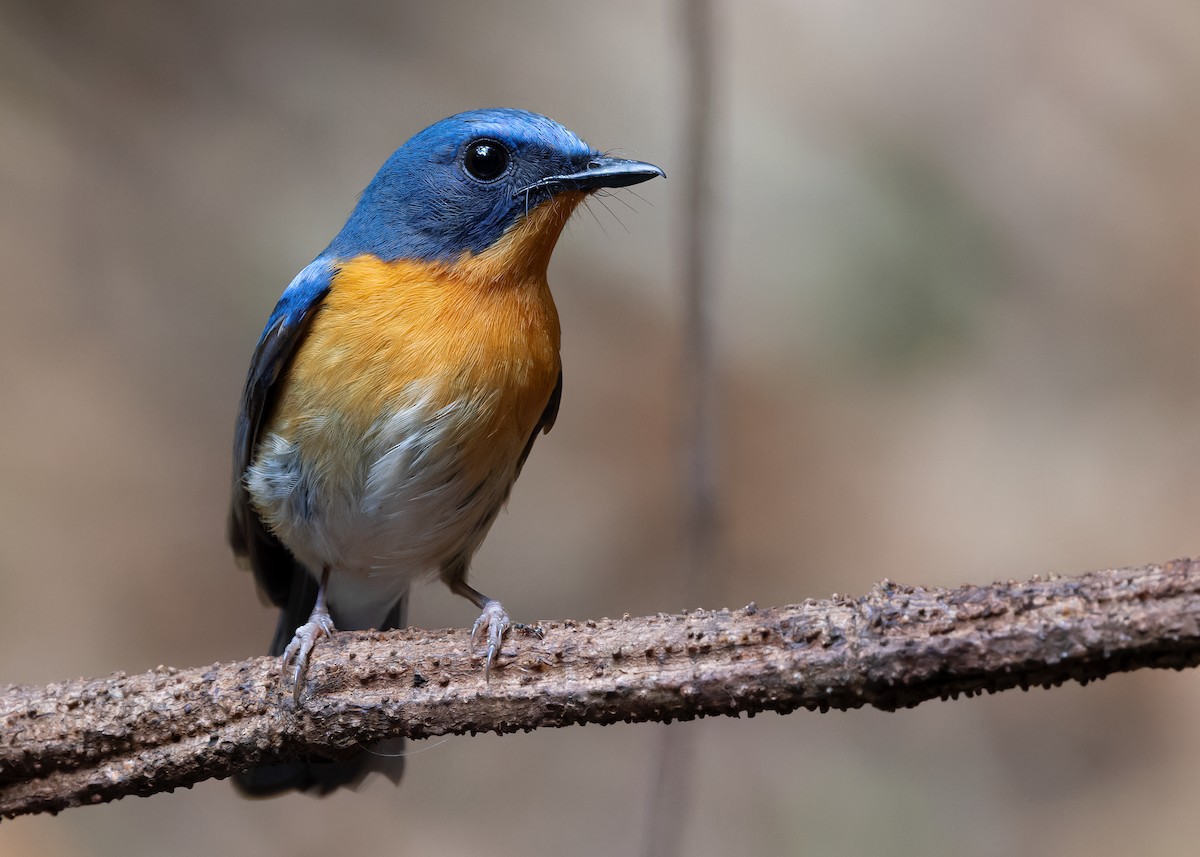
x=958, y=268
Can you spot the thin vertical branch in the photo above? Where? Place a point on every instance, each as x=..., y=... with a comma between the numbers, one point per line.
x=697, y=280
x=671, y=798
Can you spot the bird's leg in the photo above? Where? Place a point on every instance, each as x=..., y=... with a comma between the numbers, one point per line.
x=494, y=619
x=319, y=624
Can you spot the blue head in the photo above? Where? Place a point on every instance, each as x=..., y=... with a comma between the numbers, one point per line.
x=460, y=184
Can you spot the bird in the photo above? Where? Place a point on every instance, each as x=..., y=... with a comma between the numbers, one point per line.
x=398, y=387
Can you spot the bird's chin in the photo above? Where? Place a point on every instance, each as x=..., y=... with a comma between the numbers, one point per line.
x=524, y=250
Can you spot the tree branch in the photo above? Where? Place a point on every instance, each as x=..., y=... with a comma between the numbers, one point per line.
x=95, y=740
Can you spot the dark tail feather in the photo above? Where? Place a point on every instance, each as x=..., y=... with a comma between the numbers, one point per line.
x=319, y=776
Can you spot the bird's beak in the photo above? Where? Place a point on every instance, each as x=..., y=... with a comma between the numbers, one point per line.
x=600, y=172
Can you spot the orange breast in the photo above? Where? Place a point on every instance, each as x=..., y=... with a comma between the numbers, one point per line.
x=390, y=335
x=482, y=330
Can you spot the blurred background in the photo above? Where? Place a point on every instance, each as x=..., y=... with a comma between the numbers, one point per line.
x=958, y=251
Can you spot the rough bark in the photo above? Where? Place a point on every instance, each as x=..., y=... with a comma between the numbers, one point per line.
x=95, y=740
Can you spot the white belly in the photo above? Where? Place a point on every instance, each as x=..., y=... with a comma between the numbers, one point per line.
x=382, y=509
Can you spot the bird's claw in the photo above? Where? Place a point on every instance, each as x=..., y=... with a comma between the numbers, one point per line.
x=495, y=620
x=300, y=649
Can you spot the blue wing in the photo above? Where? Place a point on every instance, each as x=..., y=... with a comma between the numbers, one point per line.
x=272, y=563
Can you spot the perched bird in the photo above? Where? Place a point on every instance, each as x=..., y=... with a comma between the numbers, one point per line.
x=400, y=383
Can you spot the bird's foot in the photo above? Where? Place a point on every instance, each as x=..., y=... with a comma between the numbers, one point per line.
x=299, y=650
x=495, y=622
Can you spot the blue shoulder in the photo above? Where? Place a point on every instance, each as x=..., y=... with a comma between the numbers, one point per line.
x=302, y=295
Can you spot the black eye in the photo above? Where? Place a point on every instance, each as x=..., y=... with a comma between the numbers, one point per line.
x=485, y=159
